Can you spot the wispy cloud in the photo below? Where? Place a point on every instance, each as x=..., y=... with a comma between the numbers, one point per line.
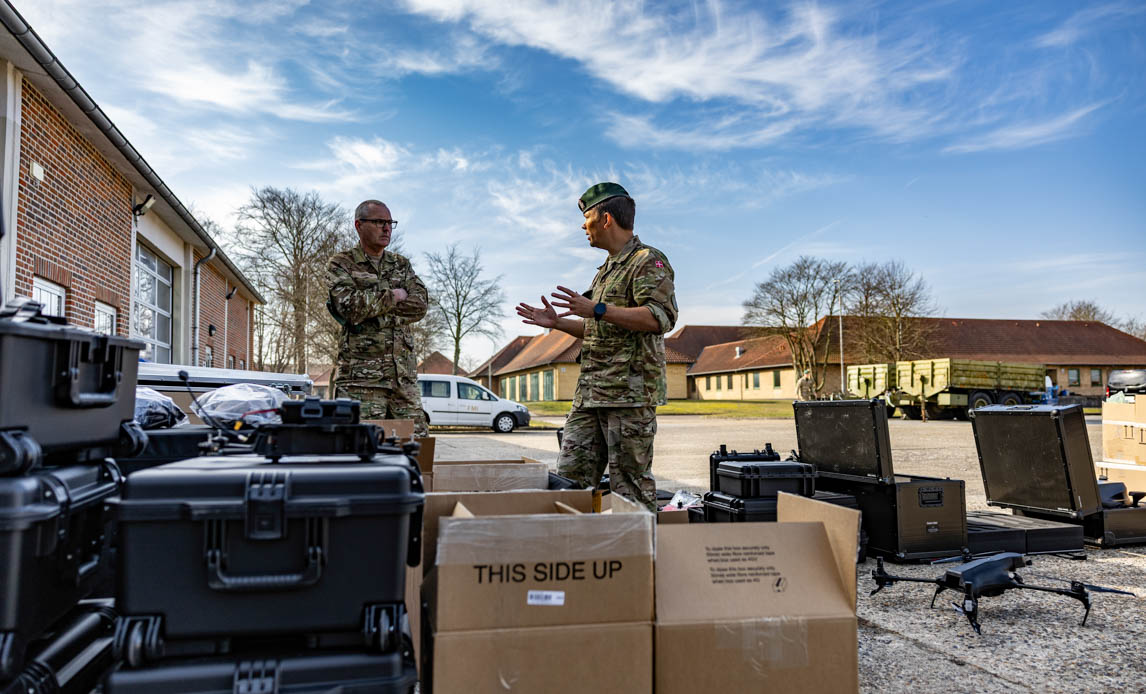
x=1028, y=134
x=799, y=241
x=1084, y=22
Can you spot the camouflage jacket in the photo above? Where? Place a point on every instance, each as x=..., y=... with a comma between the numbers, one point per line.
x=376, y=347
x=619, y=367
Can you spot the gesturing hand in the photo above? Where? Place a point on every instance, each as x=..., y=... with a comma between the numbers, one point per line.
x=576, y=304
x=542, y=317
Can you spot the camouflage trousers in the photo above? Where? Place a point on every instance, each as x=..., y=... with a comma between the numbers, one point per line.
x=380, y=402
x=619, y=439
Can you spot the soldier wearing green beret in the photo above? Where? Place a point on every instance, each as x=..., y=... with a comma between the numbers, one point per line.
x=622, y=321
x=375, y=296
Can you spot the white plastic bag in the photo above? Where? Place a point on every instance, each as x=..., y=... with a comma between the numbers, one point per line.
x=254, y=404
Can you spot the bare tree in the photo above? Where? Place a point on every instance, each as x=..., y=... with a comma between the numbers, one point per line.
x=1081, y=310
x=791, y=301
x=284, y=240
x=889, y=300
x=466, y=303
x=1135, y=327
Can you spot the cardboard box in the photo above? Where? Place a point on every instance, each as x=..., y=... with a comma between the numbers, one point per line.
x=403, y=429
x=486, y=475
x=1124, y=432
x=532, y=597
x=672, y=516
x=750, y=607
x=1133, y=476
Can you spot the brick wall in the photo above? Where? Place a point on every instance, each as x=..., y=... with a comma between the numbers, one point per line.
x=213, y=288
x=74, y=227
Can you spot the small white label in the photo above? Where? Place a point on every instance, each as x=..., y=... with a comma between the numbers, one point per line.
x=545, y=597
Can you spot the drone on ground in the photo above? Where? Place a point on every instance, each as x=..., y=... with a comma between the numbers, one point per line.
x=988, y=577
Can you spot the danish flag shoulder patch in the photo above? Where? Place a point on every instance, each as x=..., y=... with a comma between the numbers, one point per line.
x=659, y=264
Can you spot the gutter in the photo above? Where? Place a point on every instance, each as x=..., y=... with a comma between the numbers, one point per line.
x=32, y=43
x=195, y=313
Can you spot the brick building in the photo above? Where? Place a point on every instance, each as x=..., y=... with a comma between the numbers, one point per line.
x=93, y=233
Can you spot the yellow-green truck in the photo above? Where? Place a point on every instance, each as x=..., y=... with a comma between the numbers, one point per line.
x=947, y=387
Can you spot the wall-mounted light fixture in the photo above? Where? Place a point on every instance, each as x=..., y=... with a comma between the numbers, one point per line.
x=232, y=292
x=210, y=331
x=142, y=208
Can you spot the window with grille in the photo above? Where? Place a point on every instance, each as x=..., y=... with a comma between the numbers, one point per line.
x=50, y=295
x=153, y=294
x=208, y=356
x=104, y=318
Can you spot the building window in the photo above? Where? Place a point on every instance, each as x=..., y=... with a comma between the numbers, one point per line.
x=208, y=357
x=242, y=364
x=776, y=378
x=104, y=318
x=153, y=294
x=730, y=381
x=50, y=295
x=708, y=382
x=549, y=384
x=522, y=392
x=230, y=361
x=1096, y=377
x=1072, y=377
x=756, y=380
x=718, y=382
x=534, y=387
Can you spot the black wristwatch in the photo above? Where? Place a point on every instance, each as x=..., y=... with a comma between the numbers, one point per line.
x=599, y=310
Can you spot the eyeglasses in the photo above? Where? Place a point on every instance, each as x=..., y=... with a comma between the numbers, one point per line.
x=382, y=222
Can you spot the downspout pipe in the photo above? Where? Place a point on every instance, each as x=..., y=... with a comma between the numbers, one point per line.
x=195, y=313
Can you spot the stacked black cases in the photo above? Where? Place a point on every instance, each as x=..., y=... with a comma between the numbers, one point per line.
x=749, y=479
x=1036, y=460
x=724, y=455
x=68, y=394
x=906, y=517
x=53, y=540
x=73, y=657
x=216, y=552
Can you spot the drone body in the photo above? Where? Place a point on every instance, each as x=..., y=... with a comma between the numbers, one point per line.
x=988, y=577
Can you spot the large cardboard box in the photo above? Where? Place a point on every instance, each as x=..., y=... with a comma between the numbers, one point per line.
x=486, y=475
x=1133, y=476
x=752, y=607
x=535, y=597
x=1124, y=432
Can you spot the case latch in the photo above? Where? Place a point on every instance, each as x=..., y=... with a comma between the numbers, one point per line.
x=266, y=505
x=256, y=677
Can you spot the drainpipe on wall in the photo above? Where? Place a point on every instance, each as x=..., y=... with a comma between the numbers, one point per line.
x=195, y=313
x=227, y=320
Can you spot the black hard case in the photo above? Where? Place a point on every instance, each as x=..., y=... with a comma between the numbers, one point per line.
x=1036, y=460
x=344, y=673
x=168, y=446
x=723, y=454
x=1040, y=536
x=749, y=479
x=912, y=517
x=240, y=546
x=986, y=536
x=53, y=541
x=74, y=658
x=71, y=391
x=844, y=439
x=725, y=508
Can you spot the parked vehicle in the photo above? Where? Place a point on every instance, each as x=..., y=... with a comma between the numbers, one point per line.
x=948, y=387
x=1131, y=381
x=456, y=400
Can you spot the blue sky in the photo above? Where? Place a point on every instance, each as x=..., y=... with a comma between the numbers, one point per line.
x=996, y=148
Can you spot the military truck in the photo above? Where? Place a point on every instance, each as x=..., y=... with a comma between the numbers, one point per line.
x=945, y=388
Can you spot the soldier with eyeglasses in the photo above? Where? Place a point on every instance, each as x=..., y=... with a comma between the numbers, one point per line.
x=375, y=296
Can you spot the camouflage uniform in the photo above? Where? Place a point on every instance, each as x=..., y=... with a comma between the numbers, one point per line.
x=806, y=388
x=622, y=381
x=376, y=362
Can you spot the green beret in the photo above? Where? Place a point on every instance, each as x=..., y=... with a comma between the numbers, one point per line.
x=600, y=193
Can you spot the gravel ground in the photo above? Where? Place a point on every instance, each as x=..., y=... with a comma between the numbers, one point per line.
x=1030, y=642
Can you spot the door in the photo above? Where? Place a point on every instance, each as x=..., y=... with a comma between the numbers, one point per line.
x=474, y=406
x=437, y=401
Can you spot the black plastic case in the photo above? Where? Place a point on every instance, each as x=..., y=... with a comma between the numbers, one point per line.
x=66, y=392
x=238, y=546
x=724, y=508
x=345, y=673
x=1036, y=460
x=1040, y=536
x=74, y=658
x=719, y=456
x=844, y=439
x=53, y=540
x=986, y=535
x=912, y=517
x=168, y=446
x=753, y=480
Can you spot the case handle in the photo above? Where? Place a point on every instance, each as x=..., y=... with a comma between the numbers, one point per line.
x=68, y=374
x=218, y=579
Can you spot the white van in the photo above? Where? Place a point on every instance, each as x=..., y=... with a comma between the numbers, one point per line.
x=456, y=400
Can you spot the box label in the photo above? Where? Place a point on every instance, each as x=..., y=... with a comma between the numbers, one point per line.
x=555, y=598
x=742, y=564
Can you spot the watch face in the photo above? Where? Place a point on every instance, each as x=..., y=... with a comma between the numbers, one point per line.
x=599, y=310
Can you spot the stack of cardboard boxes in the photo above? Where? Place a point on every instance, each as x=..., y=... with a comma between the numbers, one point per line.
x=1124, y=443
